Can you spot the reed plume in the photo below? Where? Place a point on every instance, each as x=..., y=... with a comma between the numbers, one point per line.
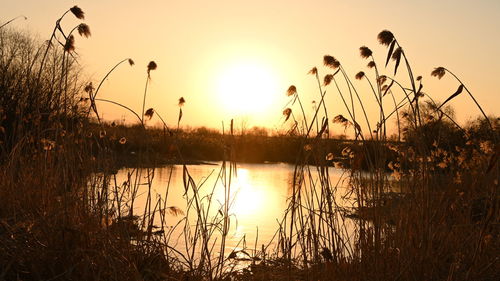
x=79, y=14
x=287, y=112
x=328, y=79
x=331, y=62
x=365, y=52
x=69, y=46
x=149, y=113
x=84, y=30
x=313, y=71
x=438, y=72
x=385, y=37
x=151, y=66
x=360, y=75
x=182, y=101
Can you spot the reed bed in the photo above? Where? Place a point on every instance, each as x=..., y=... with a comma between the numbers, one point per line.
x=434, y=216
x=424, y=207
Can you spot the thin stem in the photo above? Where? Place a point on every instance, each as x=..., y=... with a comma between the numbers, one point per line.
x=412, y=80
x=144, y=99
x=359, y=99
x=100, y=84
x=25, y=18
x=448, y=116
x=127, y=108
x=475, y=101
x=379, y=89
x=321, y=92
x=302, y=108
x=397, y=116
x=375, y=94
x=52, y=36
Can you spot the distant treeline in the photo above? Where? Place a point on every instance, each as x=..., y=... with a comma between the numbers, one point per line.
x=202, y=144
x=257, y=145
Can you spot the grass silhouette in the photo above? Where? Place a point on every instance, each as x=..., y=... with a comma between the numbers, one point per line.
x=422, y=207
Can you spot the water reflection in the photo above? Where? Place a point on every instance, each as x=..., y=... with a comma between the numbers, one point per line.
x=258, y=198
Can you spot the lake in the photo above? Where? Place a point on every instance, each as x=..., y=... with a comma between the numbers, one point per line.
x=259, y=196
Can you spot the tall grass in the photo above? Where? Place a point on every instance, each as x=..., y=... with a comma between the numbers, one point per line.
x=441, y=223
x=423, y=208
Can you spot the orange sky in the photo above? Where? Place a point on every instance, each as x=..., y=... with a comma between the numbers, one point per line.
x=198, y=45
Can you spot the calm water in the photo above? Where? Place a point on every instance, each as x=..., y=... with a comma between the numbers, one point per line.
x=259, y=196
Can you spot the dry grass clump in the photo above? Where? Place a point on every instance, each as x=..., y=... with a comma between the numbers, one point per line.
x=57, y=220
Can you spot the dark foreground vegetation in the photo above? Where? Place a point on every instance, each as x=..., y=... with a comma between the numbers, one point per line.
x=63, y=215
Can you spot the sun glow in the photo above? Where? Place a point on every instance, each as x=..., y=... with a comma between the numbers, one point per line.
x=248, y=199
x=247, y=88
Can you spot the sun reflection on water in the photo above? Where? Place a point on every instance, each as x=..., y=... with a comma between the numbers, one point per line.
x=248, y=198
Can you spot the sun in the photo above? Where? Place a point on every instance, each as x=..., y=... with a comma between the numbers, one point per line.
x=247, y=88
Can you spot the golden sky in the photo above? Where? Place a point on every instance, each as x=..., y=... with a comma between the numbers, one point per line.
x=235, y=59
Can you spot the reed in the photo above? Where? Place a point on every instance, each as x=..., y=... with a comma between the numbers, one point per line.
x=401, y=225
x=422, y=207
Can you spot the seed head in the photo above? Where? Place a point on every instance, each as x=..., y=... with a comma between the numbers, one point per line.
x=70, y=44
x=419, y=78
x=182, y=101
x=79, y=14
x=149, y=113
x=292, y=90
x=84, y=30
x=371, y=64
x=331, y=62
x=385, y=37
x=89, y=88
x=313, y=71
x=365, y=52
x=438, y=72
x=360, y=75
x=122, y=140
x=381, y=79
x=287, y=112
x=328, y=79
x=175, y=211
x=151, y=66
x=340, y=119
x=131, y=62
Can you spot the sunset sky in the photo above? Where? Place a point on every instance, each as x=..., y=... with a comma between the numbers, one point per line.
x=236, y=59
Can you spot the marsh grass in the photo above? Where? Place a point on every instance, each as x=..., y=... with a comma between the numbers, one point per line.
x=425, y=208
x=440, y=223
